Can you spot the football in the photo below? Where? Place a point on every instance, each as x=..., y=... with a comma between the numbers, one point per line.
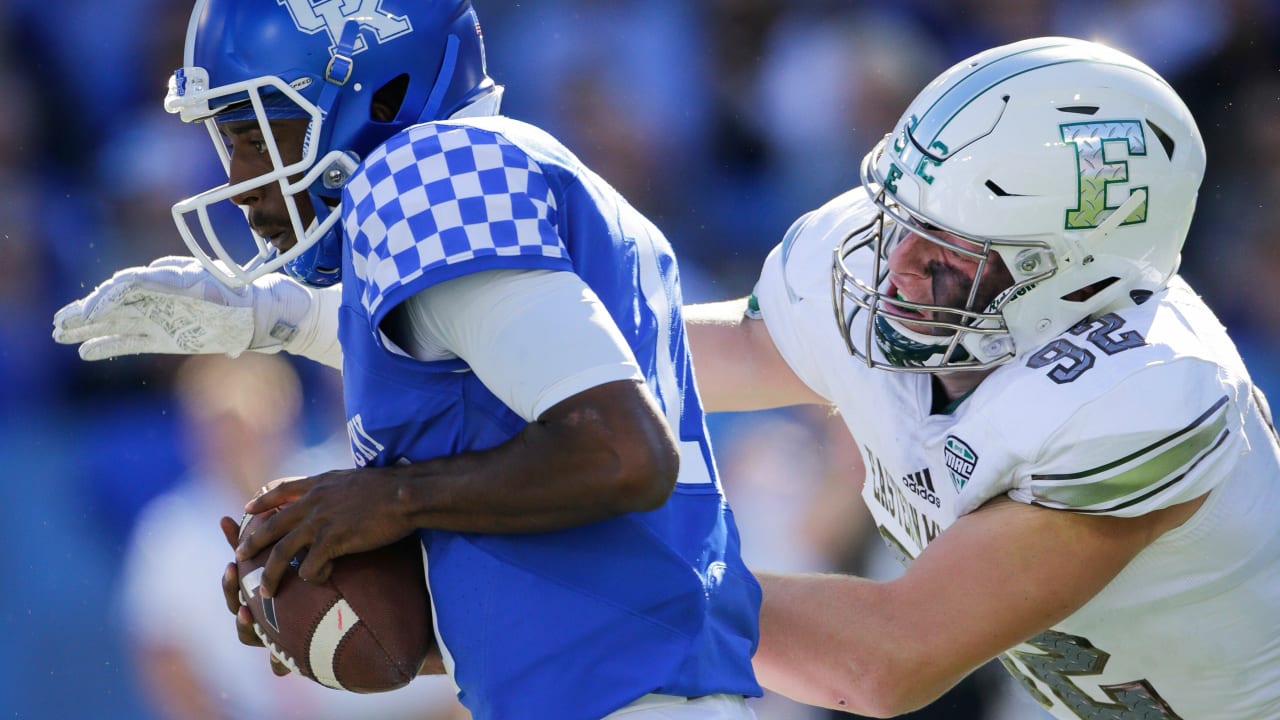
x=366, y=629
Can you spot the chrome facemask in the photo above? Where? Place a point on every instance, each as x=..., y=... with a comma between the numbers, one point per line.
x=968, y=339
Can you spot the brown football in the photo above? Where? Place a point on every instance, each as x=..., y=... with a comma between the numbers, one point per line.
x=366, y=629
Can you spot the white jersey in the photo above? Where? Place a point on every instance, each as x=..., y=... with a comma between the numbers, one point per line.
x=1137, y=410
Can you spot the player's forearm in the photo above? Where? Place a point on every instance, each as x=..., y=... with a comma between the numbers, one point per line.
x=600, y=454
x=840, y=642
x=718, y=344
x=736, y=364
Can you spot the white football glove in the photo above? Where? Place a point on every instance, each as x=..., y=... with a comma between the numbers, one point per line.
x=174, y=306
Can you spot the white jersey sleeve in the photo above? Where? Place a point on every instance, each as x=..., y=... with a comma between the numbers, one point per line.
x=533, y=337
x=1180, y=446
x=1123, y=415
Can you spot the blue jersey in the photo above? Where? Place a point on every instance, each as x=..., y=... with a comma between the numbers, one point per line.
x=569, y=624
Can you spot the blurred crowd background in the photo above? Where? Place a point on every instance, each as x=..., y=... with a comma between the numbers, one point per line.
x=723, y=120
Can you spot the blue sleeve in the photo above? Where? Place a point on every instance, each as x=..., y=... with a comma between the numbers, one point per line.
x=439, y=201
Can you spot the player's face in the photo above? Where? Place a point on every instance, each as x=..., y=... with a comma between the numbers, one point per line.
x=922, y=271
x=268, y=215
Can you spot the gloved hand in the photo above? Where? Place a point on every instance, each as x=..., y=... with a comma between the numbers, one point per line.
x=174, y=306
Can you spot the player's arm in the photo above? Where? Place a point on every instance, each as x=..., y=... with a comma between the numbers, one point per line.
x=996, y=577
x=174, y=306
x=736, y=363
x=597, y=444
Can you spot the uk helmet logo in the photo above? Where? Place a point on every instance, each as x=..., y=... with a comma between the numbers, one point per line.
x=329, y=16
x=960, y=459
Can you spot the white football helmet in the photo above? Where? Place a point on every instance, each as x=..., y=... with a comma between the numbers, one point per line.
x=1073, y=162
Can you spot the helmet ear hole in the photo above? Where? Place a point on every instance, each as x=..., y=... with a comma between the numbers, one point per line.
x=1166, y=142
x=387, y=100
x=1140, y=296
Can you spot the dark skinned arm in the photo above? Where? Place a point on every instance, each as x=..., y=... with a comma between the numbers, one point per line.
x=601, y=453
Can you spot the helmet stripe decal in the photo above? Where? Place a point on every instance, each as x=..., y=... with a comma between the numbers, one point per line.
x=963, y=92
x=943, y=110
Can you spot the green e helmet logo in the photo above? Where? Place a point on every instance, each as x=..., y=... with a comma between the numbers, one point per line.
x=1096, y=146
x=901, y=143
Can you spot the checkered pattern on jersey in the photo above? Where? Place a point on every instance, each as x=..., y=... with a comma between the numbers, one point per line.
x=437, y=196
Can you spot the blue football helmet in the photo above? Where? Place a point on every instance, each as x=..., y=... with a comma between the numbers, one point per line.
x=322, y=60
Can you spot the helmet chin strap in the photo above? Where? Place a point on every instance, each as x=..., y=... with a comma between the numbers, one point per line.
x=320, y=264
x=906, y=348
x=336, y=75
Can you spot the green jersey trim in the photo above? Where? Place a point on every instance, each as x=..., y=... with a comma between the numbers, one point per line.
x=1112, y=486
